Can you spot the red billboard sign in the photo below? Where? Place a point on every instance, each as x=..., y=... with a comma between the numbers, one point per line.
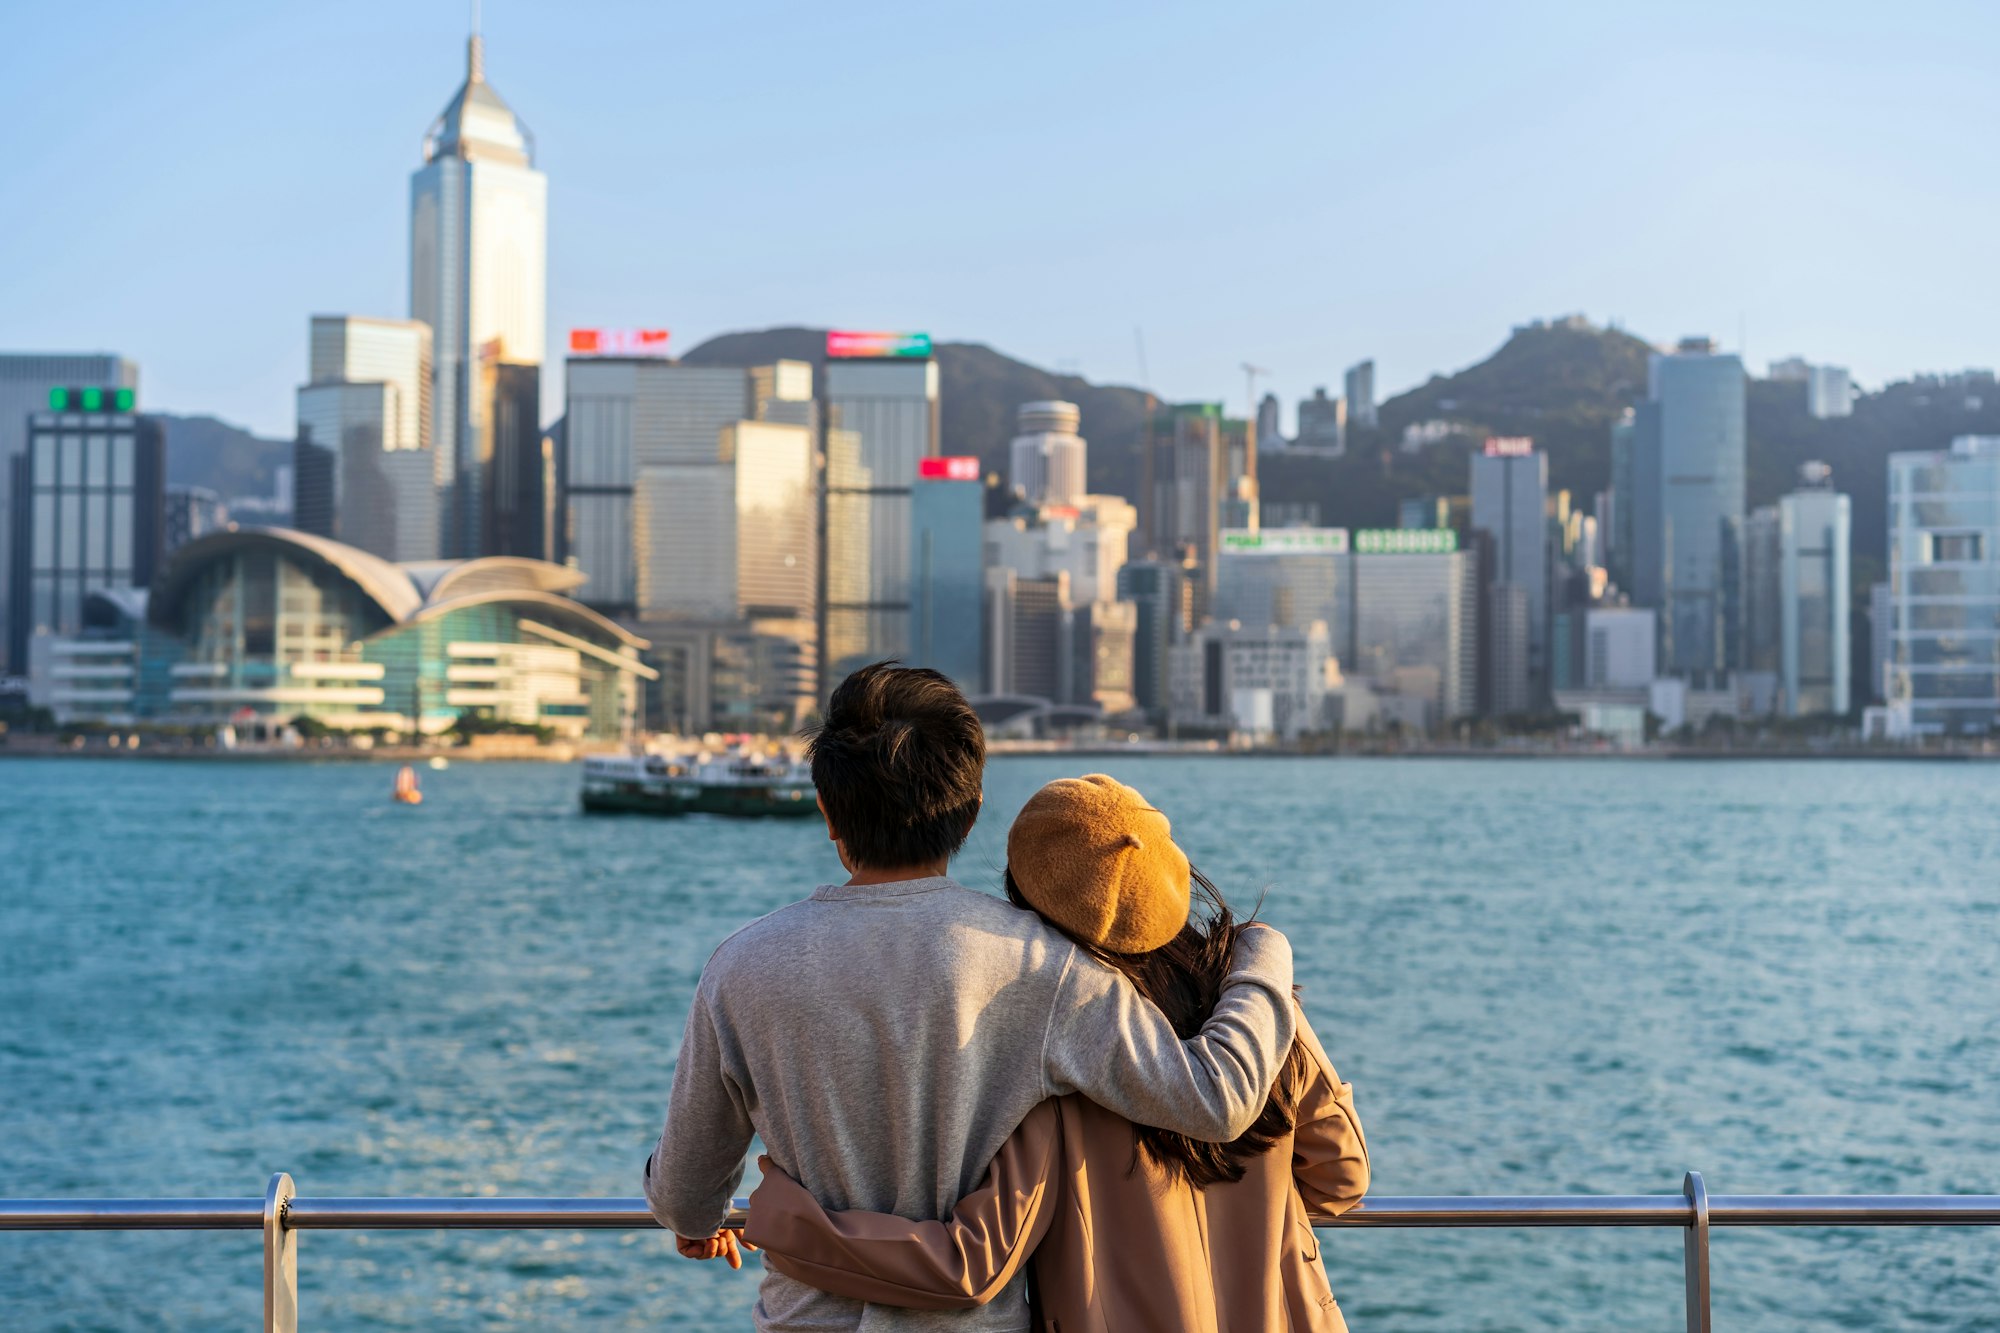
x=960, y=468
x=617, y=342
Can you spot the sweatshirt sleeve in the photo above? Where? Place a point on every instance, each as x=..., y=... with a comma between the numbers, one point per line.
x=1329, y=1152
x=963, y=1261
x=698, y=1162
x=1107, y=1042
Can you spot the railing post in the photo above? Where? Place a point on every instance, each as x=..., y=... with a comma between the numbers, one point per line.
x=1694, y=1243
x=281, y=1259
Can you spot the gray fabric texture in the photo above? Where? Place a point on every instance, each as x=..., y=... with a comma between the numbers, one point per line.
x=884, y=1040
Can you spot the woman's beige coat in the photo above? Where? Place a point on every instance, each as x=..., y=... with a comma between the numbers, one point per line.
x=1116, y=1244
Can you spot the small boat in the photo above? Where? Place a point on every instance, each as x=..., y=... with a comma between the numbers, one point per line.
x=405, y=791
x=740, y=784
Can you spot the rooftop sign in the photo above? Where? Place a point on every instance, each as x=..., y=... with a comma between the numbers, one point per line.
x=1509, y=446
x=1405, y=541
x=959, y=468
x=617, y=342
x=91, y=400
x=844, y=343
x=1284, y=541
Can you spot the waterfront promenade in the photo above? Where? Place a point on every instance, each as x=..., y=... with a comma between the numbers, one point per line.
x=1547, y=978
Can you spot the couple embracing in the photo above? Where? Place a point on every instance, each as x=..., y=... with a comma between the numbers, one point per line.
x=1092, y=1105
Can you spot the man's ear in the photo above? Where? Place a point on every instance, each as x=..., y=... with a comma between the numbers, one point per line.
x=831, y=834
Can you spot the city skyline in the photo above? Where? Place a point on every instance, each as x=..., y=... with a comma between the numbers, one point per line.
x=1483, y=174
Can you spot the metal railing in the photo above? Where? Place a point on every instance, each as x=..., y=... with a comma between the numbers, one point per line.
x=281, y=1214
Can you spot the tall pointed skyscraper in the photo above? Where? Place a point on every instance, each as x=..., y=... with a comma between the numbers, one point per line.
x=479, y=278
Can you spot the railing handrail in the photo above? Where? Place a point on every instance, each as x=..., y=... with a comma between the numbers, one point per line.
x=281, y=1215
x=418, y=1213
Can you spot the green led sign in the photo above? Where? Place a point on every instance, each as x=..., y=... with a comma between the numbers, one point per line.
x=1406, y=541
x=92, y=400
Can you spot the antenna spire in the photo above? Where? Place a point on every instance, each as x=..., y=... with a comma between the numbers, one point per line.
x=475, y=51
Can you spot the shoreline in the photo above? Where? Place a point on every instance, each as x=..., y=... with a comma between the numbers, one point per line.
x=562, y=754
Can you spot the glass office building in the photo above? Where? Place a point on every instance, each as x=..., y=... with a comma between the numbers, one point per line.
x=89, y=499
x=478, y=278
x=364, y=469
x=1283, y=577
x=26, y=381
x=1510, y=491
x=1184, y=482
x=1410, y=620
x=881, y=423
x=648, y=472
x=1944, y=587
x=1688, y=451
x=947, y=507
x=1814, y=527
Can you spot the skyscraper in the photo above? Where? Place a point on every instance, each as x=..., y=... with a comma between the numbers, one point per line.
x=947, y=507
x=1688, y=476
x=26, y=383
x=1829, y=392
x=1286, y=577
x=1814, y=527
x=881, y=423
x=1046, y=459
x=478, y=277
x=1944, y=587
x=88, y=496
x=364, y=466
x=1409, y=620
x=1322, y=424
x=1618, y=536
x=1184, y=482
x=648, y=474
x=1510, y=494
x=1360, y=387
x=1162, y=593
x=1269, y=437
x=1763, y=591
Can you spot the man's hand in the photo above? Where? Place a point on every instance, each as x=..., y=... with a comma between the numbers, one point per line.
x=722, y=1245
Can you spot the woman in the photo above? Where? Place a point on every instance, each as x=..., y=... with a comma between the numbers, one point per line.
x=1128, y=1227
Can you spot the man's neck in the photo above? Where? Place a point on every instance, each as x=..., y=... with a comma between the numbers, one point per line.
x=896, y=874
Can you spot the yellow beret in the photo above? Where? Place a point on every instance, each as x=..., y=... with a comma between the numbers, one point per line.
x=1092, y=856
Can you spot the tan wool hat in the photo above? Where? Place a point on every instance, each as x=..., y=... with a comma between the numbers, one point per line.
x=1092, y=856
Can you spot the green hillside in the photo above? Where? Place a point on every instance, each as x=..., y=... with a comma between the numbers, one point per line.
x=980, y=389
x=204, y=451
x=1563, y=383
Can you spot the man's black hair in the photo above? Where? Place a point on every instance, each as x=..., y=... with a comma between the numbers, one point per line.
x=898, y=759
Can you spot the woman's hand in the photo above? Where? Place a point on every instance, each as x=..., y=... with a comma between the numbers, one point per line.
x=722, y=1245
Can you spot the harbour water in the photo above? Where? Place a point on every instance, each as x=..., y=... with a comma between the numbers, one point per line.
x=1542, y=977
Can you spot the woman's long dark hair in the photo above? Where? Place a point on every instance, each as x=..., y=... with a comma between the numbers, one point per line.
x=1183, y=978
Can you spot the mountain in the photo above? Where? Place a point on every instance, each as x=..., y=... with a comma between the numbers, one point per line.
x=980, y=389
x=1563, y=382
x=204, y=451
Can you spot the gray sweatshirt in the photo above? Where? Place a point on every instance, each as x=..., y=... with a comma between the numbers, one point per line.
x=884, y=1040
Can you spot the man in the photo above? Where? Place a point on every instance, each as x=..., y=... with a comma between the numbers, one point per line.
x=886, y=1035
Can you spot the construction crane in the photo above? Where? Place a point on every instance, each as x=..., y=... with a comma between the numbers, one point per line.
x=1250, y=377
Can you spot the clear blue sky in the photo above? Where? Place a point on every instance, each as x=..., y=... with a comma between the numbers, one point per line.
x=1295, y=184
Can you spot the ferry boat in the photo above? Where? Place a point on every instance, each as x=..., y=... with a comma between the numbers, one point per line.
x=739, y=784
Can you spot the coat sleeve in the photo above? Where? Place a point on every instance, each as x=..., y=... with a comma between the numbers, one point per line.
x=964, y=1261
x=1116, y=1048
x=698, y=1162
x=1329, y=1153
